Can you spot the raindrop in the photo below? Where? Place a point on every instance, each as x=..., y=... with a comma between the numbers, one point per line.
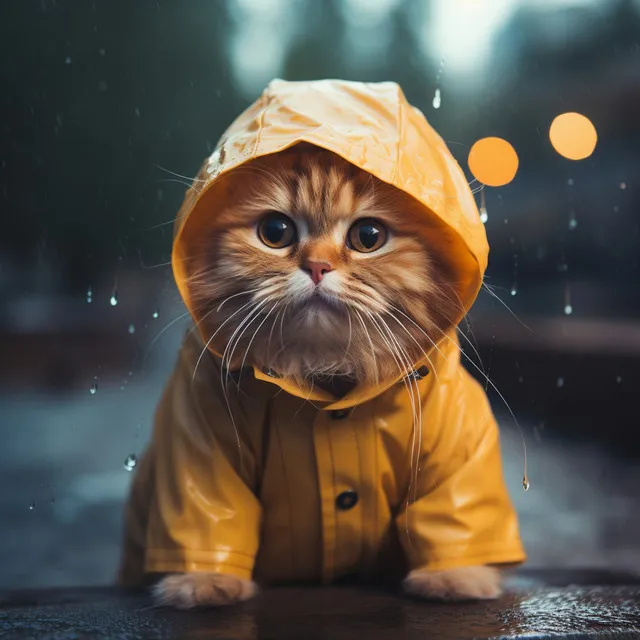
x=618, y=379
x=568, y=307
x=437, y=99
x=32, y=506
x=570, y=182
x=137, y=112
x=102, y=52
x=93, y=389
x=114, y=299
x=623, y=185
x=563, y=266
x=89, y=295
x=160, y=195
x=484, y=216
x=514, y=289
x=67, y=60
x=573, y=223
x=520, y=379
x=526, y=485
x=102, y=85
x=130, y=462
x=132, y=329
x=616, y=209
x=52, y=501
x=156, y=313
x=560, y=382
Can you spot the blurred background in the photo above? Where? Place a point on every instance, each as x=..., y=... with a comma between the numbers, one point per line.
x=107, y=105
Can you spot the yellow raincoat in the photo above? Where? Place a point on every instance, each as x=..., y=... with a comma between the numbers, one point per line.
x=316, y=491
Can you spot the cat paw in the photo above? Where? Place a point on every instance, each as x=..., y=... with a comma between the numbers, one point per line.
x=190, y=590
x=464, y=583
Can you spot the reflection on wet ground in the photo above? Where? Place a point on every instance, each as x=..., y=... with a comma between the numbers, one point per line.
x=532, y=612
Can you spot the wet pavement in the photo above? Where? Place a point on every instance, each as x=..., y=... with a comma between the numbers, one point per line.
x=589, y=605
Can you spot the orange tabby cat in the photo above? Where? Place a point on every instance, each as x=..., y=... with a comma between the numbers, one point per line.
x=334, y=252
x=319, y=424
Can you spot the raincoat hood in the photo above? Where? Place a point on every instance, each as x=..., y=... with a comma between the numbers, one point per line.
x=372, y=126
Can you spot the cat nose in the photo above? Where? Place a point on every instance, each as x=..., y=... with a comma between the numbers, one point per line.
x=316, y=270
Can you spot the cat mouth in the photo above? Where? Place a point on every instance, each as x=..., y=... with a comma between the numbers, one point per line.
x=322, y=302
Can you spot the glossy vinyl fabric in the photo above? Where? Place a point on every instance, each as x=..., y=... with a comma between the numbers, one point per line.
x=290, y=484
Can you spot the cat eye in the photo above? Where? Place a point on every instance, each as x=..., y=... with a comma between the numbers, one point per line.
x=277, y=231
x=367, y=235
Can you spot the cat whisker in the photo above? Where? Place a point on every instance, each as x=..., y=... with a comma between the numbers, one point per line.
x=255, y=333
x=179, y=175
x=490, y=291
x=500, y=395
x=204, y=350
x=373, y=350
x=411, y=386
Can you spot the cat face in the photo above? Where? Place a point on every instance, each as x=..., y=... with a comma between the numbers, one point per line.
x=319, y=270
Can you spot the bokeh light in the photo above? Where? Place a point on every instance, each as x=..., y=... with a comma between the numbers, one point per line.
x=493, y=161
x=573, y=136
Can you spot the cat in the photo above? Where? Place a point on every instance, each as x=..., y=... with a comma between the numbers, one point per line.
x=322, y=252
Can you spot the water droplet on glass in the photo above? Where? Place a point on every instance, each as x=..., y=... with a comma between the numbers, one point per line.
x=137, y=112
x=618, y=379
x=514, y=290
x=102, y=52
x=573, y=223
x=156, y=314
x=437, y=99
x=130, y=462
x=526, y=485
x=568, y=309
x=132, y=329
x=67, y=60
x=484, y=216
x=32, y=506
x=93, y=389
x=623, y=185
x=89, y=295
x=560, y=382
x=114, y=299
x=616, y=209
x=570, y=182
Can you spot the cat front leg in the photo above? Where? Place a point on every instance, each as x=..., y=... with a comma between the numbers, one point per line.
x=463, y=583
x=191, y=590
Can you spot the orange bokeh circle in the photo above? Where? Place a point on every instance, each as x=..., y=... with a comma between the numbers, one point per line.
x=493, y=161
x=573, y=136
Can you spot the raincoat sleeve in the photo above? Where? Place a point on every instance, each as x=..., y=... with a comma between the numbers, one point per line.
x=462, y=514
x=193, y=505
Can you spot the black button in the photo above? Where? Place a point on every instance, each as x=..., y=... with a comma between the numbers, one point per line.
x=340, y=414
x=347, y=500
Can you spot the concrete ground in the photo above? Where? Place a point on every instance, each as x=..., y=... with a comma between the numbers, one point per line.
x=537, y=605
